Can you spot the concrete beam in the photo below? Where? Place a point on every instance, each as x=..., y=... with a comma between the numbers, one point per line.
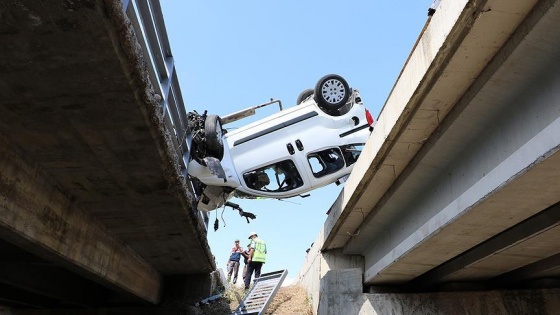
x=534, y=270
x=99, y=132
x=464, y=222
x=504, y=168
x=379, y=165
x=530, y=228
x=38, y=216
x=11, y=296
x=50, y=282
x=454, y=48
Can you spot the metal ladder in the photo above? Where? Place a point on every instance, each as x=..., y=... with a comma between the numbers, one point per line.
x=261, y=294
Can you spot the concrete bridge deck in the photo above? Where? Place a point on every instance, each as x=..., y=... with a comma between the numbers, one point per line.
x=458, y=187
x=94, y=210
x=466, y=153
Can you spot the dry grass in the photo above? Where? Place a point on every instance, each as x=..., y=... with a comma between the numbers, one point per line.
x=290, y=300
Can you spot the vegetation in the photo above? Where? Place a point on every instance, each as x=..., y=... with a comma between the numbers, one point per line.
x=290, y=300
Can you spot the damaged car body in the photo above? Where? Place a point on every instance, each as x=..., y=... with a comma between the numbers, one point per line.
x=287, y=154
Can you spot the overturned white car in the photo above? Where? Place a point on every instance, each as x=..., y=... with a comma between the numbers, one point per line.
x=287, y=154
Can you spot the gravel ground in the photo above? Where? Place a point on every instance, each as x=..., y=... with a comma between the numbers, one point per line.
x=289, y=300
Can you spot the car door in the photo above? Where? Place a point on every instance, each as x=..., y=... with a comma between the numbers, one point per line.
x=265, y=150
x=310, y=143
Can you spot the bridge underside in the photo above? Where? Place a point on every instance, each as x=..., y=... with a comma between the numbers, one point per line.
x=90, y=192
x=460, y=181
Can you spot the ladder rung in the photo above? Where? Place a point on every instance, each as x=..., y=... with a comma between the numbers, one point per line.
x=259, y=297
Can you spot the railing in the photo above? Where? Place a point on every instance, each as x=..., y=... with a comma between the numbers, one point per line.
x=147, y=20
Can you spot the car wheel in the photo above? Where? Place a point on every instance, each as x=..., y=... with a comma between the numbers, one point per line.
x=332, y=92
x=303, y=95
x=214, y=134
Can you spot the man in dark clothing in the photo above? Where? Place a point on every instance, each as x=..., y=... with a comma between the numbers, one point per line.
x=245, y=255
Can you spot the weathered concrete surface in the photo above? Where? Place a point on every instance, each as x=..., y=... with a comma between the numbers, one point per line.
x=178, y=299
x=317, y=264
x=38, y=216
x=492, y=165
x=459, y=184
x=340, y=291
x=89, y=184
x=334, y=283
x=349, y=299
x=465, y=148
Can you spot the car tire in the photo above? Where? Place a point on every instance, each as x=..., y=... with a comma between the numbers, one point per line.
x=303, y=95
x=214, y=134
x=332, y=92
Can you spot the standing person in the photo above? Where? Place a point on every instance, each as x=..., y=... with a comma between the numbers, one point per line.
x=233, y=262
x=257, y=257
x=245, y=255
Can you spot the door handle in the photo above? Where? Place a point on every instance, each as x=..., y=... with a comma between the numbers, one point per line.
x=290, y=148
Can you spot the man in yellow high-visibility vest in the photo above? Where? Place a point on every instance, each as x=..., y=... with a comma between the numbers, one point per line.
x=257, y=257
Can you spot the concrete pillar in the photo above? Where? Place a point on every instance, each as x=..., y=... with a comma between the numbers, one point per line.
x=181, y=291
x=341, y=292
x=324, y=271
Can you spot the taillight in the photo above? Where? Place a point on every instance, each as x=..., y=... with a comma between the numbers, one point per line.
x=369, y=118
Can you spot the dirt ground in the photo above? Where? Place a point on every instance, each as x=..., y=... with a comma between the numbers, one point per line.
x=289, y=300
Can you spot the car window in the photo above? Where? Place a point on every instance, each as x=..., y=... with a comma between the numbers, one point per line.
x=352, y=152
x=277, y=177
x=325, y=162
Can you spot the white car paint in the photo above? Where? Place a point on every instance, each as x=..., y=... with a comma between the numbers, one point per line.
x=315, y=137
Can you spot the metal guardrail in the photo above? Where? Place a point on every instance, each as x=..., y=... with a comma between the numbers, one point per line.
x=147, y=19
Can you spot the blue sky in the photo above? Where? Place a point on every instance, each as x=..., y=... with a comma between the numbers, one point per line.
x=230, y=55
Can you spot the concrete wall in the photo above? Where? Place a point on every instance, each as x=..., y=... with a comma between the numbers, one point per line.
x=336, y=301
x=335, y=287
x=318, y=264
